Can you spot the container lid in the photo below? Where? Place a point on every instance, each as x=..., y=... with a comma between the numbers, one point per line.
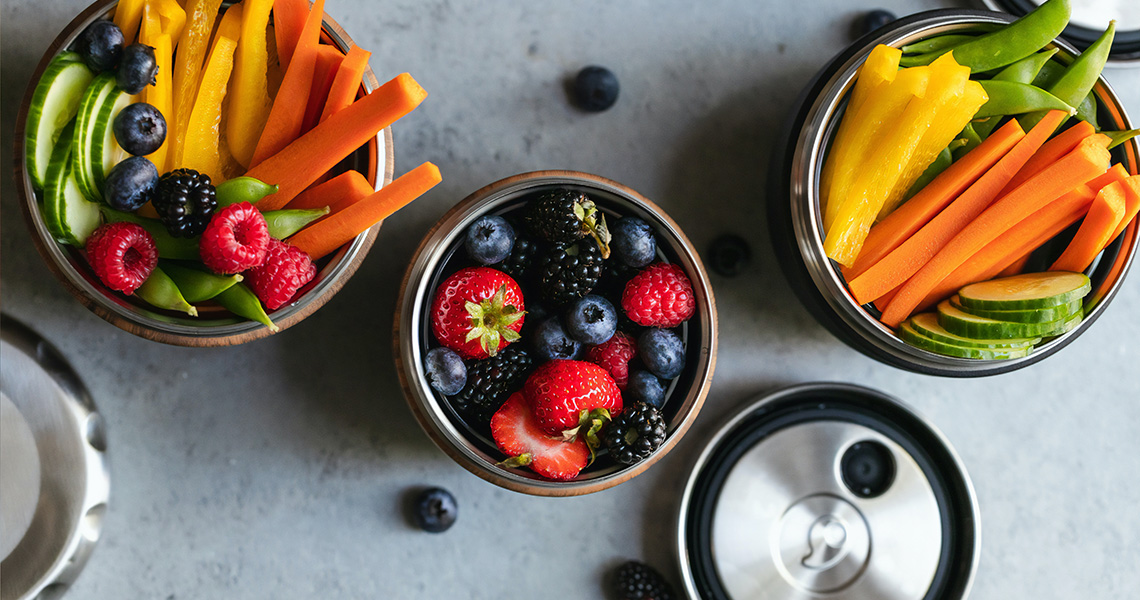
x=54, y=482
x=828, y=490
x=1088, y=22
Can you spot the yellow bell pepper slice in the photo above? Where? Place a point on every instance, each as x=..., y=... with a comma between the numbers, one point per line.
x=192, y=46
x=202, y=143
x=172, y=17
x=159, y=94
x=128, y=16
x=249, y=103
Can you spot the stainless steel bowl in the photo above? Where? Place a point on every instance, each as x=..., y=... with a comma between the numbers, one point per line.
x=795, y=220
x=463, y=443
x=214, y=326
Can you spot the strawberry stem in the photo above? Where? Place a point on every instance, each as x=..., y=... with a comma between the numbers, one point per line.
x=491, y=321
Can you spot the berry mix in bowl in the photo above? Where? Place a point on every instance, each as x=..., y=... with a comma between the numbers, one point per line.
x=557, y=333
x=200, y=173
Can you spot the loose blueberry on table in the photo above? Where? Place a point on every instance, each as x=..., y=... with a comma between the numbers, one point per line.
x=577, y=377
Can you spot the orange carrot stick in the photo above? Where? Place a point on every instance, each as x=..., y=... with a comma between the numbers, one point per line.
x=1082, y=164
x=895, y=268
x=325, y=236
x=328, y=62
x=1061, y=144
x=898, y=226
x=350, y=184
x=347, y=81
x=288, y=20
x=302, y=162
x=1132, y=205
x=288, y=112
x=1106, y=212
x=1017, y=266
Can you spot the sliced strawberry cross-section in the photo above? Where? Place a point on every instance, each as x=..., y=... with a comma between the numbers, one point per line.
x=517, y=433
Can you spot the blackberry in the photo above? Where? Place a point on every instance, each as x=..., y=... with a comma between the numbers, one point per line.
x=639, y=581
x=518, y=263
x=490, y=381
x=185, y=202
x=635, y=434
x=567, y=273
x=563, y=217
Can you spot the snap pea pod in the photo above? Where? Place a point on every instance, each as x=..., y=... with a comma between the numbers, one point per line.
x=167, y=245
x=1012, y=98
x=1026, y=69
x=939, y=43
x=1087, y=111
x=1119, y=137
x=284, y=223
x=160, y=291
x=197, y=285
x=243, y=189
x=241, y=301
x=1078, y=79
x=971, y=138
x=1017, y=40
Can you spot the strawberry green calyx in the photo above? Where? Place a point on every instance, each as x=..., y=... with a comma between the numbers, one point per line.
x=594, y=224
x=592, y=421
x=491, y=321
x=515, y=462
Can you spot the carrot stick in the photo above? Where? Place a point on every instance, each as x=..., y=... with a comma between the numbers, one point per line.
x=305, y=160
x=328, y=62
x=350, y=184
x=288, y=112
x=1075, y=168
x=1017, y=266
x=1061, y=144
x=1132, y=205
x=907, y=219
x=288, y=20
x=325, y=236
x=1024, y=238
x=1106, y=212
x=895, y=268
x=346, y=84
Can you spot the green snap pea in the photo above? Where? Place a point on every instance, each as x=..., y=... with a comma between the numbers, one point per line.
x=1026, y=69
x=1119, y=137
x=971, y=138
x=197, y=285
x=1087, y=111
x=160, y=291
x=941, y=162
x=939, y=43
x=1011, y=98
x=241, y=301
x=1017, y=40
x=1078, y=79
x=986, y=126
x=243, y=189
x=1050, y=72
x=284, y=223
x=167, y=245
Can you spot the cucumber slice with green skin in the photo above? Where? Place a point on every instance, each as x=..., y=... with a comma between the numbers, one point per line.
x=72, y=217
x=55, y=180
x=927, y=325
x=1034, y=315
x=909, y=335
x=99, y=94
x=54, y=103
x=1026, y=291
x=1068, y=325
x=964, y=324
x=105, y=149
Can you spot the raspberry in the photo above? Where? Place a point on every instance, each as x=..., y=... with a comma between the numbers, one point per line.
x=285, y=270
x=123, y=255
x=235, y=239
x=659, y=296
x=614, y=356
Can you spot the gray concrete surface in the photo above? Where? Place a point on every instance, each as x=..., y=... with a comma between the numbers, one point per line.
x=278, y=469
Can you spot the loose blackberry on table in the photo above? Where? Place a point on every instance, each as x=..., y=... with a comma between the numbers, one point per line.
x=567, y=273
x=490, y=381
x=638, y=581
x=635, y=434
x=185, y=202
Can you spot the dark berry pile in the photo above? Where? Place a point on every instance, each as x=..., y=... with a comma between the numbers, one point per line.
x=567, y=273
x=491, y=380
x=185, y=202
x=635, y=434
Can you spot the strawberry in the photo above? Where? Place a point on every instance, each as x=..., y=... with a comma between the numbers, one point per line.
x=568, y=394
x=517, y=433
x=477, y=312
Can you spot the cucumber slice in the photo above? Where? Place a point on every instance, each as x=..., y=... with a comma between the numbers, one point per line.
x=99, y=94
x=1026, y=291
x=105, y=150
x=909, y=335
x=54, y=104
x=966, y=325
x=1068, y=325
x=71, y=217
x=927, y=325
x=1034, y=315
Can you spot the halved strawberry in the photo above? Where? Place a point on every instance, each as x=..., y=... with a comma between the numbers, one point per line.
x=477, y=312
x=518, y=435
x=566, y=395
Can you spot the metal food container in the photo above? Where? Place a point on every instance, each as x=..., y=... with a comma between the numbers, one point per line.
x=475, y=451
x=214, y=326
x=795, y=220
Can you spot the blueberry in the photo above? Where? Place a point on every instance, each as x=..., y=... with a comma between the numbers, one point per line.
x=876, y=19
x=729, y=254
x=662, y=352
x=595, y=89
x=436, y=510
x=645, y=387
x=489, y=240
x=140, y=128
x=101, y=45
x=550, y=341
x=137, y=68
x=591, y=320
x=130, y=184
x=445, y=371
x=633, y=241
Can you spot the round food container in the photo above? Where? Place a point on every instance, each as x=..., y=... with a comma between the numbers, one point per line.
x=795, y=220
x=828, y=490
x=214, y=326
x=470, y=445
